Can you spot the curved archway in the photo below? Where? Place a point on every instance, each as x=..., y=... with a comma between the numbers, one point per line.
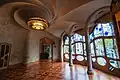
x=96, y=15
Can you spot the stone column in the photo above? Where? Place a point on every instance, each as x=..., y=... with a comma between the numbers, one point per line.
x=70, y=54
x=62, y=49
x=88, y=51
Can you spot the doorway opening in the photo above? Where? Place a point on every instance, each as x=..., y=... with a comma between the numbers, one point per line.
x=46, y=49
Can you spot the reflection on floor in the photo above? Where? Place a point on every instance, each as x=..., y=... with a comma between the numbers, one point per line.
x=45, y=70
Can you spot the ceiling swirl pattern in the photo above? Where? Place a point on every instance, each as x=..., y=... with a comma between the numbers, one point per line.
x=21, y=12
x=60, y=14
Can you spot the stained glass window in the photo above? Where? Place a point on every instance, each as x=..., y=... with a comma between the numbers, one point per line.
x=105, y=43
x=77, y=42
x=77, y=47
x=103, y=29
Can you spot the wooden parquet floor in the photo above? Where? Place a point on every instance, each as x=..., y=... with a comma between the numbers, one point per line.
x=45, y=70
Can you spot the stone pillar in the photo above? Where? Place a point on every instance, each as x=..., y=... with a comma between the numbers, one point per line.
x=70, y=54
x=88, y=51
x=61, y=49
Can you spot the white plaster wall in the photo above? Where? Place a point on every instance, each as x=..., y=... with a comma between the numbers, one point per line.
x=14, y=35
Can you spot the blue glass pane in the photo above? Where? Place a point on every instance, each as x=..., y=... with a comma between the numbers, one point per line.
x=107, y=29
x=91, y=36
x=98, y=31
x=66, y=40
x=78, y=37
x=110, y=51
x=99, y=47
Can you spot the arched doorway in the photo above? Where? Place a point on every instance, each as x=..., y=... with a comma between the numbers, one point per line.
x=46, y=49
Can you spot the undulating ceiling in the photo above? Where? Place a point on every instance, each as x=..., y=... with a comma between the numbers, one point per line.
x=61, y=14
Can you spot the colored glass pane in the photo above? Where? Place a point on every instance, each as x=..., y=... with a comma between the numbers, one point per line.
x=107, y=29
x=115, y=64
x=101, y=61
x=94, y=59
x=67, y=56
x=66, y=40
x=99, y=47
x=110, y=51
x=83, y=38
x=77, y=37
x=91, y=36
x=98, y=31
x=66, y=49
x=79, y=48
x=85, y=49
x=116, y=49
x=80, y=58
x=72, y=39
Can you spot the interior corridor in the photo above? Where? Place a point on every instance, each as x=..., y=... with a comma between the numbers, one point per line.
x=45, y=70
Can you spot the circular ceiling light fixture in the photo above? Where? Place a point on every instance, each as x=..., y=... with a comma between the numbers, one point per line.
x=37, y=23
